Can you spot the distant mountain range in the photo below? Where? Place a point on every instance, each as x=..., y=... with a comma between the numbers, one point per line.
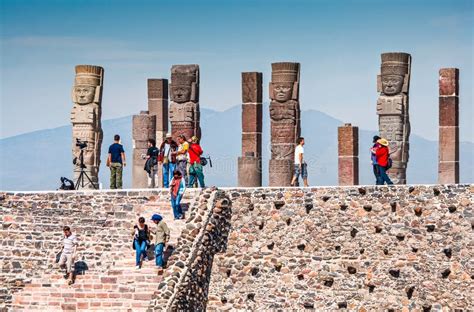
x=36, y=160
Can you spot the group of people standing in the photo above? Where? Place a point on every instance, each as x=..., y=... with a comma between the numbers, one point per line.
x=183, y=156
x=180, y=161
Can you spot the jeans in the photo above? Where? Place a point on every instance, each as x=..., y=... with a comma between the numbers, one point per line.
x=195, y=170
x=140, y=249
x=159, y=254
x=376, y=173
x=176, y=205
x=383, y=177
x=168, y=170
x=182, y=167
x=116, y=175
x=153, y=177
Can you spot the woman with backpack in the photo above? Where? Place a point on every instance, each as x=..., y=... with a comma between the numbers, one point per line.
x=382, y=155
x=141, y=241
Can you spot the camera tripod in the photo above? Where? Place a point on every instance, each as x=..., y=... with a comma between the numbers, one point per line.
x=80, y=180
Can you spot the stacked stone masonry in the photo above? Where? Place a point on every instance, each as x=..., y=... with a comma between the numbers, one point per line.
x=356, y=248
x=448, y=168
x=158, y=106
x=143, y=129
x=107, y=280
x=250, y=163
x=348, y=151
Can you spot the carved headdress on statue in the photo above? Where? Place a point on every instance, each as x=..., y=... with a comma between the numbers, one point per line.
x=395, y=71
x=87, y=84
x=285, y=79
x=184, y=83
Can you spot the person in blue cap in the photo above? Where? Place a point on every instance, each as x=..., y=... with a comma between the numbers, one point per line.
x=161, y=235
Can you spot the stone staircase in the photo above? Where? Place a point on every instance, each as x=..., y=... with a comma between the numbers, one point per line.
x=120, y=287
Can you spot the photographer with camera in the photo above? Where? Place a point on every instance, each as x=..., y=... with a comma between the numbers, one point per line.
x=195, y=166
x=116, y=162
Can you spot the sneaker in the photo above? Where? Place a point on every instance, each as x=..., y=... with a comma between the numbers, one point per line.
x=137, y=267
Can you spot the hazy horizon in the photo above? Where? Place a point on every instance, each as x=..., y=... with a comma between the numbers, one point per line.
x=338, y=44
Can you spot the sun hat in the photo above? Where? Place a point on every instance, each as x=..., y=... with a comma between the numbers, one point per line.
x=194, y=138
x=383, y=142
x=156, y=217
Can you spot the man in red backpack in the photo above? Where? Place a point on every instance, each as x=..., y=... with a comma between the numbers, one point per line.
x=382, y=155
x=195, y=167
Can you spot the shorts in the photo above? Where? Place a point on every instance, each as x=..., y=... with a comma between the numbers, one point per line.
x=301, y=170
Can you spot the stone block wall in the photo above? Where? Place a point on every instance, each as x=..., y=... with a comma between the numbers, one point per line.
x=357, y=248
x=368, y=248
x=31, y=230
x=186, y=286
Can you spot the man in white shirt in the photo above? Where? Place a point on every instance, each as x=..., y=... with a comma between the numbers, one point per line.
x=68, y=253
x=300, y=165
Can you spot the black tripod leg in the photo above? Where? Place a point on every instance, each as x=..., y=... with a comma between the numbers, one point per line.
x=90, y=181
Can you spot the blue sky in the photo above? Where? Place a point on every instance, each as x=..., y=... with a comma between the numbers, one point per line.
x=338, y=44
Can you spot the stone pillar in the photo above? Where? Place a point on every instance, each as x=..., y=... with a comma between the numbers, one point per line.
x=250, y=164
x=392, y=107
x=158, y=106
x=86, y=122
x=184, y=107
x=448, y=166
x=348, y=149
x=144, y=128
x=285, y=121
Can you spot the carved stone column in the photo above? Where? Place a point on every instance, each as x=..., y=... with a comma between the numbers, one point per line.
x=158, y=106
x=184, y=107
x=348, y=149
x=392, y=107
x=285, y=121
x=86, y=121
x=144, y=128
x=448, y=166
x=250, y=164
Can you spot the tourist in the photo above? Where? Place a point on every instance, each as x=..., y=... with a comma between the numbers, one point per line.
x=182, y=156
x=382, y=155
x=195, y=167
x=168, y=158
x=300, y=164
x=141, y=241
x=68, y=253
x=161, y=237
x=116, y=162
x=177, y=188
x=373, y=158
x=151, y=164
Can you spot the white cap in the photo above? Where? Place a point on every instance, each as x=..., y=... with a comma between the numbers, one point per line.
x=168, y=135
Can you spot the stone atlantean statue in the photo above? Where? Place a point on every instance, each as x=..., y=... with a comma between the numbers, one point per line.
x=184, y=107
x=86, y=120
x=392, y=107
x=285, y=121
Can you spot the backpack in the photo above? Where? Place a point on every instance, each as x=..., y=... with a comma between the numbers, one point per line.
x=389, y=163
